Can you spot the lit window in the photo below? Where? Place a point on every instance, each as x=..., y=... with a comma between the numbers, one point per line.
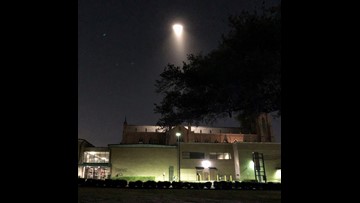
x=219, y=155
x=96, y=157
x=212, y=155
x=227, y=156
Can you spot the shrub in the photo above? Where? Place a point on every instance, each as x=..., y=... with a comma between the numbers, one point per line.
x=177, y=185
x=135, y=178
x=149, y=184
x=208, y=185
x=136, y=184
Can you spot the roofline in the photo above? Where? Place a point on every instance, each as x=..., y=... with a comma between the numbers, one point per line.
x=140, y=146
x=184, y=126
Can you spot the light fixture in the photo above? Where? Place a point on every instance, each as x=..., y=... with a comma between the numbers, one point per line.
x=206, y=163
x=251, y=165
x=178, y=141
x=278, y=173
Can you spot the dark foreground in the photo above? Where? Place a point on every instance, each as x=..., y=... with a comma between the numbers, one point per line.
x=111, y=195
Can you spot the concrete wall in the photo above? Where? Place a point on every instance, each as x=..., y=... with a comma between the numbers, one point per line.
x=272, y=159
x=143, y=160
x=147, y=135
x=206, y=129
x=155, y=160
x=224, y=167
x=144, y=128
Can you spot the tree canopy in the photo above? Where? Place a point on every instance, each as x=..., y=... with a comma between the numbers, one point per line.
x=241, y=77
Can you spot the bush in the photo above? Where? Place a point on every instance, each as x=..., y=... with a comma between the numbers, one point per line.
x=208, y=185
x=149, y=184
x=135, y=178
x=177, y=185
x=163, y=184
x=197, y=186
x=109, y=183
x=81, y=181
x=166, y=184
x=273, y=186
x=120, y=183
x=223, y=185
x=136, y=184
x=131, y=184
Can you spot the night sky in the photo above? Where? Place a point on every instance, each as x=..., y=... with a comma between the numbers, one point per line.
x=123, y=46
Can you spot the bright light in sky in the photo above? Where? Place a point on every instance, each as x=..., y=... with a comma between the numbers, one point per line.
x=178, y=29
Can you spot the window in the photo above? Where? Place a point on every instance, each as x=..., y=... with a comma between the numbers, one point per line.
x=212, y=155
x=219, y=155
x=186, y=155
x=96, y=157
x=227, y=156
x=193, y=155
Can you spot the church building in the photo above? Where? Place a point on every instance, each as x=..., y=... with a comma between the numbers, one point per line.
x=186, y=153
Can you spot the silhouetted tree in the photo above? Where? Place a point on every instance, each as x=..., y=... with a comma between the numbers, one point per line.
x=241, y=76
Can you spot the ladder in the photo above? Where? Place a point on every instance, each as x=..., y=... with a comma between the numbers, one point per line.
x=259, y=167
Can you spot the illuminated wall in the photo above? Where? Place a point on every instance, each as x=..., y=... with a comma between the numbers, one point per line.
x=133, y=134
x=272, y=159
x=220, y=156
x=143, y=160
x=227, y=161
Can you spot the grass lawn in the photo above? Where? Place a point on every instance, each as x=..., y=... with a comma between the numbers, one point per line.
x=110, y=195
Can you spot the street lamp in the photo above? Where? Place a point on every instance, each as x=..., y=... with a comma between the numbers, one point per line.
x=178, y=141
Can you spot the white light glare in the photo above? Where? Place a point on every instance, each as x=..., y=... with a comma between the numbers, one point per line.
x=278, y=174
x=251, y=165
x=178, y=29
x=206, y=163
